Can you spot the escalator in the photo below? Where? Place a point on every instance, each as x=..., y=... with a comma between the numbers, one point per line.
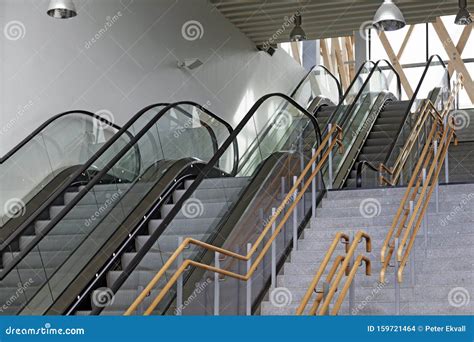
x=385, y=148
x=89, y=218
x=267, y=170
x=55, y=151
x=138, y=264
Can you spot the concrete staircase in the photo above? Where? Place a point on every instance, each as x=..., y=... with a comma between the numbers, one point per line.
x=444, y=272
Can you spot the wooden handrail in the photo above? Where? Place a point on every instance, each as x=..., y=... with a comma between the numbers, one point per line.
x=350, y=278
x=347, y=259
x=337, y=132
x=340, y=237
x=435, y=168
x=422, y=193
x=340, y=266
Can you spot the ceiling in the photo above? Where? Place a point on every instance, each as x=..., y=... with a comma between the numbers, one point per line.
x=263, y=20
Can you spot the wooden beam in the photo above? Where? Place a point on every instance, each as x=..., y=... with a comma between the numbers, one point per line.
x=405, y=41
x=454, y=56
x=350, y=56
x=340, y=63
x=326, y=57
x=466, y=32
x=295, y=51
x=396, y=64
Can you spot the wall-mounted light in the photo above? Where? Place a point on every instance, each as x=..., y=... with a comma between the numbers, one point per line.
x=389, y=17
x=463, y=17
x=189, y=64
x=297, y=33
x=61, y=9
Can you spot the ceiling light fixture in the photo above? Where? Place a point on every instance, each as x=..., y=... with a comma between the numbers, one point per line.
x=463, y=17
x=388, y=17
x=61, y=9
x=297, y=33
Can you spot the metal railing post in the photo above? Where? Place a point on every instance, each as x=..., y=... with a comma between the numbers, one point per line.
x=248, y=302
x=425, y=218
x=412, y=256
x=352, y=287
x=435, y=147
x=313, y=186
x=446, y=160
x=295, y=218
x=179, y=283
x=329, y=186
x=325, y=294
x=273, y=278
x=397, y=285
x=217, y=289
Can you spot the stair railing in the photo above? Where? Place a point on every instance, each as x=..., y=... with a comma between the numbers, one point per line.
x=409, y=215
x=295, y=194
x=342, y=264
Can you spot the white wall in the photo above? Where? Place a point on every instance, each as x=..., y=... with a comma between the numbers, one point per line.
x=52, y=68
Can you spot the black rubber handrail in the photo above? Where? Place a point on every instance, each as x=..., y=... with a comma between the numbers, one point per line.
x=407, y=113
x=339, y=88
x=208, y=168
x=157, y=233
x=124, y=130
x=100, y=174
x=49, y=122
x=367, y=80
x=415, y=95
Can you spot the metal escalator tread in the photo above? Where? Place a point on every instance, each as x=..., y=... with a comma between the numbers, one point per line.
x=381, y=137
x=323, y=116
